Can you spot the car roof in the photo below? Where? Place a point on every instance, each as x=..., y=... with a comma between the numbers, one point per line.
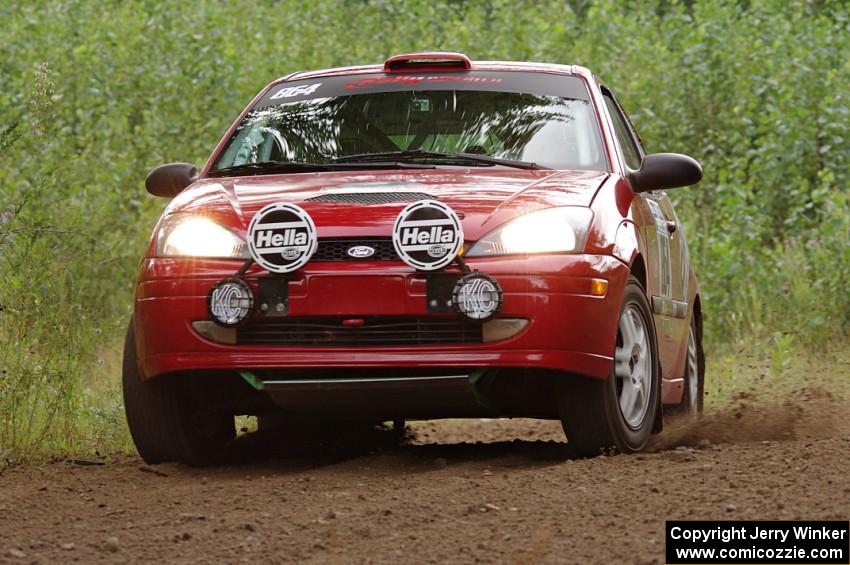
x=474, y=66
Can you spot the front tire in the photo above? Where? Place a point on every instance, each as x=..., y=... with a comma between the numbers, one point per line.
x=619, y=411
x=166, y=415
x=692, y=401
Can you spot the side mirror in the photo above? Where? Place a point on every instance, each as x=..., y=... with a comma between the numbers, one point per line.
x=169, y=180
x=660, y=171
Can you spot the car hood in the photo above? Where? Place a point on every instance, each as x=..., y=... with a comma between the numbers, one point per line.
x=483, y=199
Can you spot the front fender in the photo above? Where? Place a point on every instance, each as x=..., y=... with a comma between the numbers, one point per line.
x=626, y=243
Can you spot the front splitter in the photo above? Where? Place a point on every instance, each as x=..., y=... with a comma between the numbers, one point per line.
x=380, y=398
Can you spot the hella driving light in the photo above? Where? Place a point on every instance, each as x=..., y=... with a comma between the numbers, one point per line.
x=553, y=230
x=282, y=237
x=477, y=296
x=427, y=235
x=230, y=301
x=186, y=235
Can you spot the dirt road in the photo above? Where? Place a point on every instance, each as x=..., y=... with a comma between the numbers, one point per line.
x=431, y=499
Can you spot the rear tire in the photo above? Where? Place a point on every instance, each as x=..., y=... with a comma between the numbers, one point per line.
x=619, y=411
x=166, y=418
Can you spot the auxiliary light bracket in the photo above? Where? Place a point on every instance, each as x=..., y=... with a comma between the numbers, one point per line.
x=240, y=274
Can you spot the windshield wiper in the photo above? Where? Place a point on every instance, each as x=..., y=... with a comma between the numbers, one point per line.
x=270, y=167
x=420, y=154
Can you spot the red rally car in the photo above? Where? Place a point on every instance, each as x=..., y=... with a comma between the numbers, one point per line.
x=428, y=238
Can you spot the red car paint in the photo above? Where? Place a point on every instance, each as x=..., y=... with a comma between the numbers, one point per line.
x=569, y=329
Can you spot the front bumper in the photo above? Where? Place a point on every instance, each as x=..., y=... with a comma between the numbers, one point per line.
x=568, y=329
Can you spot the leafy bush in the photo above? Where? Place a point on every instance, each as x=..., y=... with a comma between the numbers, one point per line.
x=93, y=94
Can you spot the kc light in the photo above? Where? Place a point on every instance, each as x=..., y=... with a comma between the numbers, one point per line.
x=230, y=301
x=186, y=235
x=553, y=230
x=477, y=296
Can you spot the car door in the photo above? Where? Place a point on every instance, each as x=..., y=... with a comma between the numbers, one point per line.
x=667, y=261
x=678, y=297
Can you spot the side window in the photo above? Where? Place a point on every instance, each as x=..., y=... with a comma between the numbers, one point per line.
x=624, y=136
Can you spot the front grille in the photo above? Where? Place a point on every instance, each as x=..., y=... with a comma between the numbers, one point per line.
x=376, y=330
x=337, y=249
x=370, y=197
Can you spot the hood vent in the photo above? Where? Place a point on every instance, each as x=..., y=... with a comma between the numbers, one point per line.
x=370, y=197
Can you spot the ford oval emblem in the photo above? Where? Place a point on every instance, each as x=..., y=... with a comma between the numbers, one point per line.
x=360, y=251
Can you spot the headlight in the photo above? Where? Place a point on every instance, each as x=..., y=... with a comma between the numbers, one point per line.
x=553, y=230
x=185, y=235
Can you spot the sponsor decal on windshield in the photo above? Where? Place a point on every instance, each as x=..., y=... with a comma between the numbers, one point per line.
x=292, y=91
x=369, y=82
x=537, y=83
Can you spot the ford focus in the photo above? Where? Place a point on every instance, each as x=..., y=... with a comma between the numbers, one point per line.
x=427, y=238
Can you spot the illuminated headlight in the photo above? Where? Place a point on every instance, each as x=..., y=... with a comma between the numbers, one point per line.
x=230, y=301
x=553, y=230
x=185, y=235
x=477, y=296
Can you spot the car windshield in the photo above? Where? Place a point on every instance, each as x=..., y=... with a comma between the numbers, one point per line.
x=531, y=118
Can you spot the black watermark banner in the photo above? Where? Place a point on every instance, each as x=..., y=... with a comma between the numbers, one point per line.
x=757, y=542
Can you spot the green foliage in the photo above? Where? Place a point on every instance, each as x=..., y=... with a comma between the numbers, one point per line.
x=94, y=94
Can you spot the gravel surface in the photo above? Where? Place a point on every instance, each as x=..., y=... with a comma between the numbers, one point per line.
x=450, y=491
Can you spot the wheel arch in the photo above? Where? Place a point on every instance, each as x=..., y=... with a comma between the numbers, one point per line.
x=638, y=269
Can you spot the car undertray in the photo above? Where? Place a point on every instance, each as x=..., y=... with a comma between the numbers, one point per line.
x=381, y=394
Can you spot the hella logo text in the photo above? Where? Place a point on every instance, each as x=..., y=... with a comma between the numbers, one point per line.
x=432, y=235
x=270, y=238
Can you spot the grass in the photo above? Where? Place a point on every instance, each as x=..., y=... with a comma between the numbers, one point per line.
x=774, y=369
x=60, y=393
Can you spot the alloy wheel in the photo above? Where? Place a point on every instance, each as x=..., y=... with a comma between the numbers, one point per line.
x=633, y=367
